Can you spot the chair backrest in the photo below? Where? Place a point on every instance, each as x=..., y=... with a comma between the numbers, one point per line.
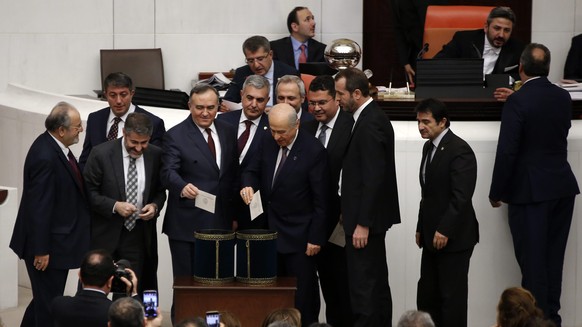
x=144, y=66
x=443, y=21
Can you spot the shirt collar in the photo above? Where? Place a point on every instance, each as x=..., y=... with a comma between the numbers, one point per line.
x=296, y=44
x=439, y=138
x=359, y=110
x=124, y=117
x=332, y=121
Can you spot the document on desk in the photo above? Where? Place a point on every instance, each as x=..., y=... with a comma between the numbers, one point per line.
x=256, y=206
x=205, y=201
x=231, y=105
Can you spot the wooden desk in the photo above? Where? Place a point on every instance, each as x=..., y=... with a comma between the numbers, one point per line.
x=250, y=304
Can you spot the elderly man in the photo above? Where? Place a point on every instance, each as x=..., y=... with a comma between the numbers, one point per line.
x=299, y=46
x=259, y=59
x=52, y=229
x=291, y=90
x=291, y=172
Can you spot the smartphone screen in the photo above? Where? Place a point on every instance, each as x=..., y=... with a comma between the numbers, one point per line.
x=213, y=319
x=150, y=302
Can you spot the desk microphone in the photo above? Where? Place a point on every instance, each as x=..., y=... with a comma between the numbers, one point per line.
x=422, y=51
x=477, y=50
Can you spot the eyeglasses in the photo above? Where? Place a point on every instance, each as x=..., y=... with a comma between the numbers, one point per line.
x=251, y=61
x=319, y=103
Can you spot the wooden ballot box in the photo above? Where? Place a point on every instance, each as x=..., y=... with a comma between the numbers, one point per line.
x=249, y=303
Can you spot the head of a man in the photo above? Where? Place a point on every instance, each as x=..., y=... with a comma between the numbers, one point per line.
x=413, y=318
x=255, y=96
x=534, y=61
x=301, y=24
x=291, y=90
x=118, y=89
x=351, y=87
x=258, y=54
x=322, y=100
x=137, y=133
x=500, y=23
x=126, y=312
x=97, y=270
x=283, y=123
x=64, y=123
x=203, y=105
x=432, y=118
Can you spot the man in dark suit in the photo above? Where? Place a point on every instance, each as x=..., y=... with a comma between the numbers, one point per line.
x=369, y=199
x=52, y=228
x=299, y=47
x=253, y=125
x=259, y=59
x=573, y=66
x=291, y=90
x=125, y=192
x=532, y=174
x=291, y=172
x=332, y=128
x=200, y=154
x=90, y=305
x=493, y=43
x=447, y=229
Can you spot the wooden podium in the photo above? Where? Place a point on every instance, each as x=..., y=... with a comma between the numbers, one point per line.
x=250, y=304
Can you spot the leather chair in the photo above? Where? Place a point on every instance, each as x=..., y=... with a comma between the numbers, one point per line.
x=144, y=66
x=443, y=21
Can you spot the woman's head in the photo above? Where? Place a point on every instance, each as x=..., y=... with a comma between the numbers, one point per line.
x=516, y=306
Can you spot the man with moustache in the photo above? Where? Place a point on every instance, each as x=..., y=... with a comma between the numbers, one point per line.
x=493, y=43
x=291, y=90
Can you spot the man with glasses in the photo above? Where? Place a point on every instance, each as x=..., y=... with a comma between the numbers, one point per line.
x=259, y=59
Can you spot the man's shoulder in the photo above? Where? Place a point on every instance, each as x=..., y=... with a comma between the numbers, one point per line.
x=310, y=126
x=314, y=43
x=231, y=117
x=280, y=42
x=153, y=117
x=104, y=112
x=282, y=68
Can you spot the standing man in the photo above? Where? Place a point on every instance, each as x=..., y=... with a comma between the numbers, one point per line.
x=200, y=154
x=253, y=125
x=299, y=47
x=291, y=173
x=332, y=128
x=369, y=199
x=259, y=59
x=532, y=175
x=493, y=43
x=447, y=229
x=52, y=228
x=126, y=195
x=291, y=90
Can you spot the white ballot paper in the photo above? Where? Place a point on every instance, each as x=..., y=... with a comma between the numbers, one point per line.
x=338, y=236
x=205, y=201
x=256, y=206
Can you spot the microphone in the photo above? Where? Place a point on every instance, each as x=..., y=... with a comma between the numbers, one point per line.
x=477, y=50
x=422, y=51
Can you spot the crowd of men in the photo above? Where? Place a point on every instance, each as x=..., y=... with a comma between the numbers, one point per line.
x=323, y=160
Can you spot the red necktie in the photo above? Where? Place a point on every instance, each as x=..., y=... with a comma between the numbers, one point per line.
x=211, y=142
x=73, y=163
x=244, y=137
x=303, y=54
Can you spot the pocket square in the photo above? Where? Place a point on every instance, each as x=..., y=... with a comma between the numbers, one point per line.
x=506, y=69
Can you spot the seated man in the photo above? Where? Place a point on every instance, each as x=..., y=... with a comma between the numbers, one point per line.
x=299, y=47
x=493, y=43
x=90, y=305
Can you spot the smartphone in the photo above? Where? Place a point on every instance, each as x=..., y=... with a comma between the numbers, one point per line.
x=213, y=318
x=150, y=302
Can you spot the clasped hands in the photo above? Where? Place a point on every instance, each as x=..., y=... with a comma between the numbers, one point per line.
x=126, y=209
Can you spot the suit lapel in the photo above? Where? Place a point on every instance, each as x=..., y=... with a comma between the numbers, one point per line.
x=148, y=167
x=116, y=157
x=196, y=136
x=65, y=161
x=292, y=158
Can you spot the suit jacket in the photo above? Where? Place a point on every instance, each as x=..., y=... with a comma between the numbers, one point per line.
x=470, y=44
x=187, y=159
x=283, y=51
x=86, y=308
x=573, y=66
x=96, y=131
x=369, y=191
x=531, y=162
x=105, y=179
x=241, y=74
x=295, y=204
x=447, y=191
x=53, y=217
x=336, y=148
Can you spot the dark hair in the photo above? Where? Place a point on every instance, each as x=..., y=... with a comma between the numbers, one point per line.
x=436, y=107
x=60, y=116
x=355, y=80
x=292, y=17
x=97, y=267
x=126, y=312
x=118, y=79
x=539, y=322
x=516, y=306
x=229, y=319
x=534, y=65
x=254, y=43
x=203, y=88
x=501, y=12
x=323, y=83
x=192, y=322
x=289, y=315
x=139, y=123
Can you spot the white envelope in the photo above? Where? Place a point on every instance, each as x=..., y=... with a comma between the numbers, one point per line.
x=205, y=201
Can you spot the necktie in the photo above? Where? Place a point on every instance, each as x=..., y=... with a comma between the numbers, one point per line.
x=131, y=193
x=303, y=54
x=211, y=142
x=73, y=163
x=244, y=137
x=281, y=162
x=322, y=134
x=114, y=130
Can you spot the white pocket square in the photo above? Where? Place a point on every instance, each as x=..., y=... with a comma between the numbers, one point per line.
x=506, y=69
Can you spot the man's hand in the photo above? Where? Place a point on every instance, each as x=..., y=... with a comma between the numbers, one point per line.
x=417, y=238
x=130, y=286
x=501, y=93
x=246, y=193
x=223, y=108
x=495, y=203
x=410, y=73
x=148, y=211
x=312, y=249
x=360, y=237
x=189, y=191
x=439, y=241
x=124, y=209
x=157, y=321
x=41, y=262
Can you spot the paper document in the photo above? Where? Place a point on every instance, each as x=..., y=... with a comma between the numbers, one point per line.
x=205, y=201
x=256, y=206
x=338, y=236
x=231, y=105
